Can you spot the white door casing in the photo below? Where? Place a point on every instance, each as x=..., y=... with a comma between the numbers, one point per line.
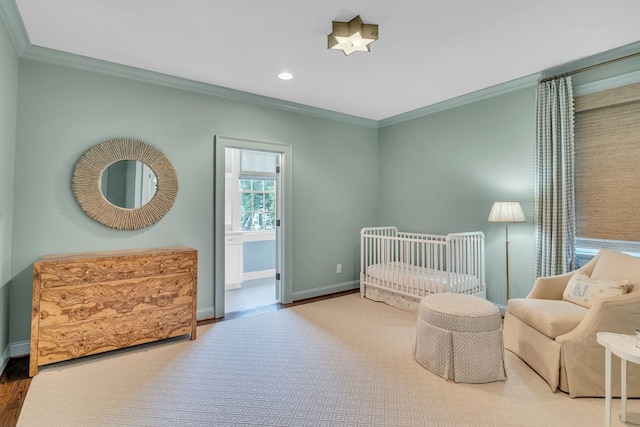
x=284, y=249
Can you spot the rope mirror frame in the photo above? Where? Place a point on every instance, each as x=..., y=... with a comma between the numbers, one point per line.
x=88, y=172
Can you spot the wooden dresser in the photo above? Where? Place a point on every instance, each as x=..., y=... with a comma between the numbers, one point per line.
x=90, y=303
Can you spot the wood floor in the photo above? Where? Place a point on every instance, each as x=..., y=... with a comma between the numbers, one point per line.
x=15, y=381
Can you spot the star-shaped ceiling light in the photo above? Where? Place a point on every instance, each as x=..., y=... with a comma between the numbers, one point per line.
x=352, y=36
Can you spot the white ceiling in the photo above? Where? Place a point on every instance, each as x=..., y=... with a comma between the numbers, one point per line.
x=428, y=51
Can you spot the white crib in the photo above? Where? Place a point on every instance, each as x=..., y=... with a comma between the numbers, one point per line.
x=400, y=268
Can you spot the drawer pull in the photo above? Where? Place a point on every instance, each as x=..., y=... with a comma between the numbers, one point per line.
x=84, y=338
x=86, y=301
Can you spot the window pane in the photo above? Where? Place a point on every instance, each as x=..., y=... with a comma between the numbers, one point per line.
x=270, y=202
x=245, y=221
x=246, y=202
x=256, y=185
x=258, y=201
x=258, y=221
x=269, y=221
x=258, y=196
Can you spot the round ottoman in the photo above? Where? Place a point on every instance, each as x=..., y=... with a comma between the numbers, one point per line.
x=459, y=337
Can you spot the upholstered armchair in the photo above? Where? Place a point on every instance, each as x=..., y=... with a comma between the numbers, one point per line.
x=554, y=328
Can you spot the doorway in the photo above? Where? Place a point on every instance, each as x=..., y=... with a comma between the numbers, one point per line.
x=251, y=190
x=231, y=227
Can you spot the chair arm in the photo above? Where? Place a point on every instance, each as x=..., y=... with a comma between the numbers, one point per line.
x=620, y=314
x=551, y=287
x=581, y=355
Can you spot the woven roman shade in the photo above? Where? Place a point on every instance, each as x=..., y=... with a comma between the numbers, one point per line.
x=607, y=172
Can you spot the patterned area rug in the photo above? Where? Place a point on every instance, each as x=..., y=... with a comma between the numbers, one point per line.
x=341, y=362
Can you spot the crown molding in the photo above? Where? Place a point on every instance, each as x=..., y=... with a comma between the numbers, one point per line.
x=51, y=56
x=15, y=27
x=594, y=60
x=606, y=84
x=490, y=92
x=530, y=81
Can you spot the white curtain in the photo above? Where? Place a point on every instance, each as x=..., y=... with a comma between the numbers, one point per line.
x=554, y=221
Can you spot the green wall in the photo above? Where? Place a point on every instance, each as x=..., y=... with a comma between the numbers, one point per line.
x=441, y=173
x=8, y=105
x=62, y=112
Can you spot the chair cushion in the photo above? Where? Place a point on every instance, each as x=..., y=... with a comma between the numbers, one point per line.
x=614, y=265
x=550, y=317
x=582, y=289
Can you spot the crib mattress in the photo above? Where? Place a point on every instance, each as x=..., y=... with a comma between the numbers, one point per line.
x=422, y=279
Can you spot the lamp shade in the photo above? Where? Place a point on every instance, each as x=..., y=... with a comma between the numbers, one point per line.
x=506, y=212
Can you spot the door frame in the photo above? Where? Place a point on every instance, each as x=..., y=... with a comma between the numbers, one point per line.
x=284, y=241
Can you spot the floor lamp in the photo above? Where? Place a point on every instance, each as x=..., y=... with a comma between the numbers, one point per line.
x=506, y=212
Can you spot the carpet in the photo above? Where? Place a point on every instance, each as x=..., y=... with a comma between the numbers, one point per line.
x=253, y=293
x=345, y=361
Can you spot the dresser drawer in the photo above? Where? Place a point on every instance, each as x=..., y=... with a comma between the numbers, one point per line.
x=92, y=301
x=106, y=269
x=88, y=303
x=76, y=339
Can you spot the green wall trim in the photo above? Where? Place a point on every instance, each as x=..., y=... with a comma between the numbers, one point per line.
x=205, y=313
x=523, y=83
x=606, y=84
x=15, y=27
x=13, y=22
x=326, y=290
x=65, y=59
x=19, y=348
x=4, y=358
x=590, y=61
x=490, y=92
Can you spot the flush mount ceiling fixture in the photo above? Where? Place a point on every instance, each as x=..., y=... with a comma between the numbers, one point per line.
x=352, y=36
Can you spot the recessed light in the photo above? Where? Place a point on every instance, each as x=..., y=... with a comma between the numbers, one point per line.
x=285, y=76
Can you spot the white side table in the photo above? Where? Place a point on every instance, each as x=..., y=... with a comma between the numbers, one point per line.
x=623, y=346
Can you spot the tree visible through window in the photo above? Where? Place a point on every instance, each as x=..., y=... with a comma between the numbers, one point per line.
x=258, y=204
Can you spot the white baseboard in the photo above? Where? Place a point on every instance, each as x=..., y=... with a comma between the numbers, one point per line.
x=261, y=274
x=326, y=290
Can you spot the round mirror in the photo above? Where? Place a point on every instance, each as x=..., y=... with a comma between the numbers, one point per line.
x=128, y=184
x=127, y=206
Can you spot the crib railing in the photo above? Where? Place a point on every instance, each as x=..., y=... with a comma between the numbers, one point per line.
x=465, y=261
x=456, y=259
